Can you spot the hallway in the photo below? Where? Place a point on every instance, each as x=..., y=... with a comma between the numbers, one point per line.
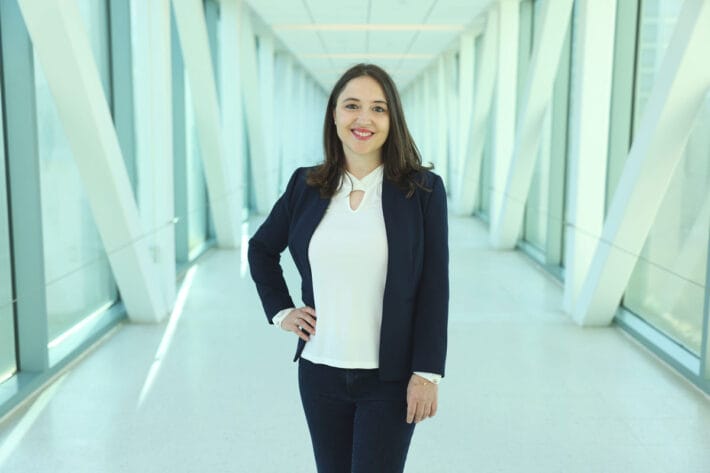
x=214, y=389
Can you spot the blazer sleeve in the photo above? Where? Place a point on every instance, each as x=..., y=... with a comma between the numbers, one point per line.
x=264, y=254
x=432, y=299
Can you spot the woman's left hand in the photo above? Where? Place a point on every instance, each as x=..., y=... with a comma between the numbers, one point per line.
x=421, y=399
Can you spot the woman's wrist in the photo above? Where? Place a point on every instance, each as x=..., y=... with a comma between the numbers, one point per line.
x=431, y=377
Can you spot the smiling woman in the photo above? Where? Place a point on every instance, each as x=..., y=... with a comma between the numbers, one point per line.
x=367, y=229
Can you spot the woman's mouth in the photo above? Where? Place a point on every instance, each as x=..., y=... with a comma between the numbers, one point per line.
x=362, y=134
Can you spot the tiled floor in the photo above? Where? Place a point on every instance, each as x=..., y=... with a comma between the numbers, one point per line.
x=526, y=390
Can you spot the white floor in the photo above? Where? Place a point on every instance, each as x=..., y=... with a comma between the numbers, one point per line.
x=215, y=390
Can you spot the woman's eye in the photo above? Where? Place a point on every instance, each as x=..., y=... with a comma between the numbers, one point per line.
x=351, y=106
x=380, y=109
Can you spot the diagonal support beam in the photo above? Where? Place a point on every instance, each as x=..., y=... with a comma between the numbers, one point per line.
x=224, y=201
x=506, y=228
x=62, y=47
x=681, y=85
x=470, y=177
x=508, y=32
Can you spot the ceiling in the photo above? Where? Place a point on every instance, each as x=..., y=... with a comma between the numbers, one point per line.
x=403, y=36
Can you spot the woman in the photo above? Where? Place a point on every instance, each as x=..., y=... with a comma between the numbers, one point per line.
x=367, y=230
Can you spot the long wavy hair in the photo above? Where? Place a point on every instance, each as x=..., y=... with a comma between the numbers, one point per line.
x=400, y=156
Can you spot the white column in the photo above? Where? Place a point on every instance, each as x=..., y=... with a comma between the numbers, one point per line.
x=452, y=107
x=62, y=47
x=507, y=225
x=505, y=99
x=232, y=107
x=428, y=135
x=252, y=105
x=269, y=180
x=152, y=91
x=486, y=66
x=442, y=119
x=677, y=94
x=192, y=30
x=467, y=64
x=288, y=111
x=589, y=140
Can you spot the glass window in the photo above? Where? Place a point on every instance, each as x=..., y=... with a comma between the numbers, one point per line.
x=657, y=21
x=544, y=208
x=79, y=282
x=667, y=286
x=633, y=85
x=7, y=317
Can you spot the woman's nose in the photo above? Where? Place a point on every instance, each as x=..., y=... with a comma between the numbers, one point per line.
x=364, y=116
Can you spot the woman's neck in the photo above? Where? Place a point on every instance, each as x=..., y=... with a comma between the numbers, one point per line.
x=361, y=167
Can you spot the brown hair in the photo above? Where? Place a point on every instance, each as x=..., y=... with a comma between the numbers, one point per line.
x=400, y=155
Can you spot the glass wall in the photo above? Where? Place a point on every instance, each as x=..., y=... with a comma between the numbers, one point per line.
x=667, y=287
x=79, y=283
x=7, y=320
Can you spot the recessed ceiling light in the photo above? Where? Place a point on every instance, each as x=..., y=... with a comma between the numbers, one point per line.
x=366, y=27
x=368, y=56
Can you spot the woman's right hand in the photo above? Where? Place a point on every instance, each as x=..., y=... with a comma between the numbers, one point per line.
x=303, y=317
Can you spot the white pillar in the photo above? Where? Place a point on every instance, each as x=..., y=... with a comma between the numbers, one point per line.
x=465, y=200
x=265, y=58
x=589, y=140
x=152, y=87
x=505, y=100
x=252, y=105
x=467, y=65
x=62, y=47
x=507, y=224
x=232, y=107
x=442, y=119
x=194, y=42
x=678, y=92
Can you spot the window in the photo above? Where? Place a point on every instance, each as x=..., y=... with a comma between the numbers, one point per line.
x=79, y=282
x=667, y=287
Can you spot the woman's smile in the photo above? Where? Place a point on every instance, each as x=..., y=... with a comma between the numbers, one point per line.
x=362, y=134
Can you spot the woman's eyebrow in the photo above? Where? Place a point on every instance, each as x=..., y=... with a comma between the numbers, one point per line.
x=358, y=100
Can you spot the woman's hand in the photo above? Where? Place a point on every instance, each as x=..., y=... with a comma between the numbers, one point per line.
x=421, y=399
x=303, y=317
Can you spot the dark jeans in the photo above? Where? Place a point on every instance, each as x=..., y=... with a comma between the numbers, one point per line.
x=357, y=422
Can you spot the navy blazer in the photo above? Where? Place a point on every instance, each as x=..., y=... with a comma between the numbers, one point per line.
x=416, y=297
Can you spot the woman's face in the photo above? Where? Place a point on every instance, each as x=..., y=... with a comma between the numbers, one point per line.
x=362, y=118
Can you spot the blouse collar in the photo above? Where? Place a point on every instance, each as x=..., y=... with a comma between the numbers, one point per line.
x=372, y=179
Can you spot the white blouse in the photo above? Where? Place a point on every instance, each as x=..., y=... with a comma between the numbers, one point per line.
x=348, y=258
